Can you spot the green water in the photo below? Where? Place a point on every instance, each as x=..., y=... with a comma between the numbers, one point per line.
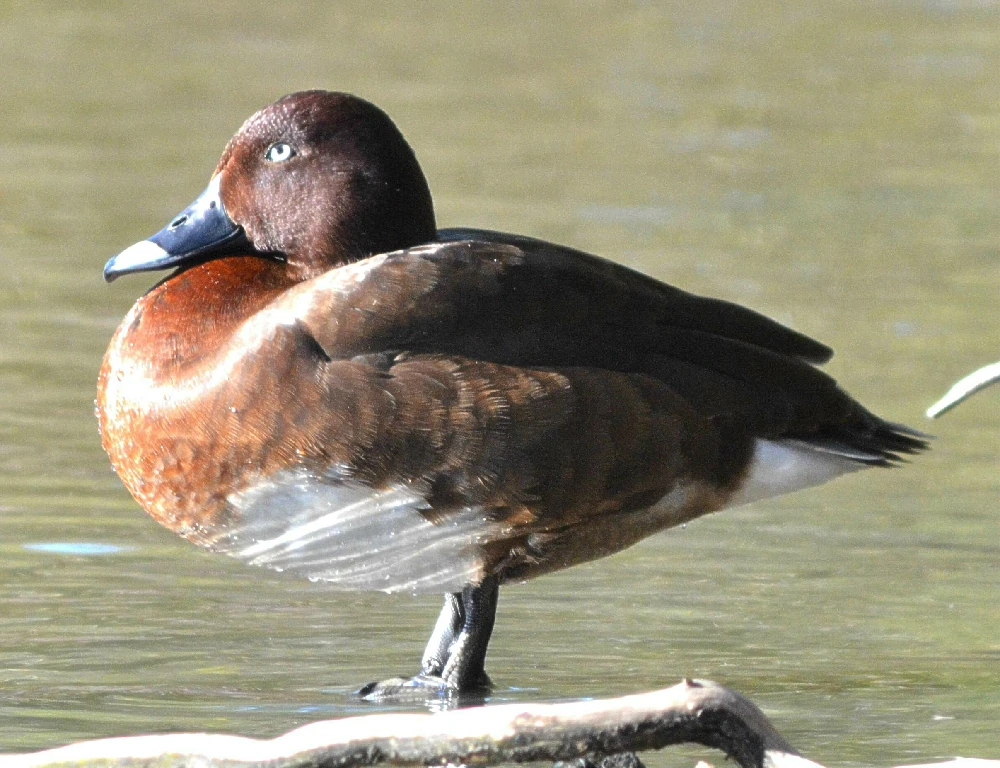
x=832, y=164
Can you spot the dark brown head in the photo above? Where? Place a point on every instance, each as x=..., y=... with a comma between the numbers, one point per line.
x=315, y=180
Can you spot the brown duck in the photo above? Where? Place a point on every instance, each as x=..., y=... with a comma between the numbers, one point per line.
x=326, y=384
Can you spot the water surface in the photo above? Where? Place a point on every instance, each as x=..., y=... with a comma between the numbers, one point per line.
x=831, y=164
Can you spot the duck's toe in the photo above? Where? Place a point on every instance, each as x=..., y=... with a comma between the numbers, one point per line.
x=434, y=691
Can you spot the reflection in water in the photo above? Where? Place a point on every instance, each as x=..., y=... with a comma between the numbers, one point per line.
x=75, y=548
x=833, y=167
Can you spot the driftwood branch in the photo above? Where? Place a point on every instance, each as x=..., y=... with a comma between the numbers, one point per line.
x=591, y=733
x=701, y=712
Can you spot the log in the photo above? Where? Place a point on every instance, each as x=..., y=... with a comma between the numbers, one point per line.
x=692, y=711
x=603, y=733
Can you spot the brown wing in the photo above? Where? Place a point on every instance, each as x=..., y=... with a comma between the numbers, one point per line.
x=526, y=403
x=522, y=302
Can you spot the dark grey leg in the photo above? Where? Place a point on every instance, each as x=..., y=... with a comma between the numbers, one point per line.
x=455, y=657
x=465, y=668
x=446, y=631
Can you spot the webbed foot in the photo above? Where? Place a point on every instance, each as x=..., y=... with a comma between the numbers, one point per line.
x=431, y=690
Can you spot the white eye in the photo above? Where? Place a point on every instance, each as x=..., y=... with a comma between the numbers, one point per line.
x=279, y=153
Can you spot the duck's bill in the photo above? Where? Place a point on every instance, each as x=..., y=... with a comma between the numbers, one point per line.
x=201, y=231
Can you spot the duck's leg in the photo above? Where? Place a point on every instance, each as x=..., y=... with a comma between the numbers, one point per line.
x=456, y=652
x=455, y=657
x=446, y=631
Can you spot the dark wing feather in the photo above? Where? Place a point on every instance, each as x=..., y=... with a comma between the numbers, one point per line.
x=678, y=308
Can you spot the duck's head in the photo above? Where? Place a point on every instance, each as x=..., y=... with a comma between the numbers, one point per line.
x=314, y=180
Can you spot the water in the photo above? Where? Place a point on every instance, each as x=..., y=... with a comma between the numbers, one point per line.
x=831, y=164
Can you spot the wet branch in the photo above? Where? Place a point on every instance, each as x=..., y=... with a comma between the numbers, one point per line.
x=591, y=733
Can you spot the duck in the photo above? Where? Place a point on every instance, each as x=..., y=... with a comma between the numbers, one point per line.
x=327, y=384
